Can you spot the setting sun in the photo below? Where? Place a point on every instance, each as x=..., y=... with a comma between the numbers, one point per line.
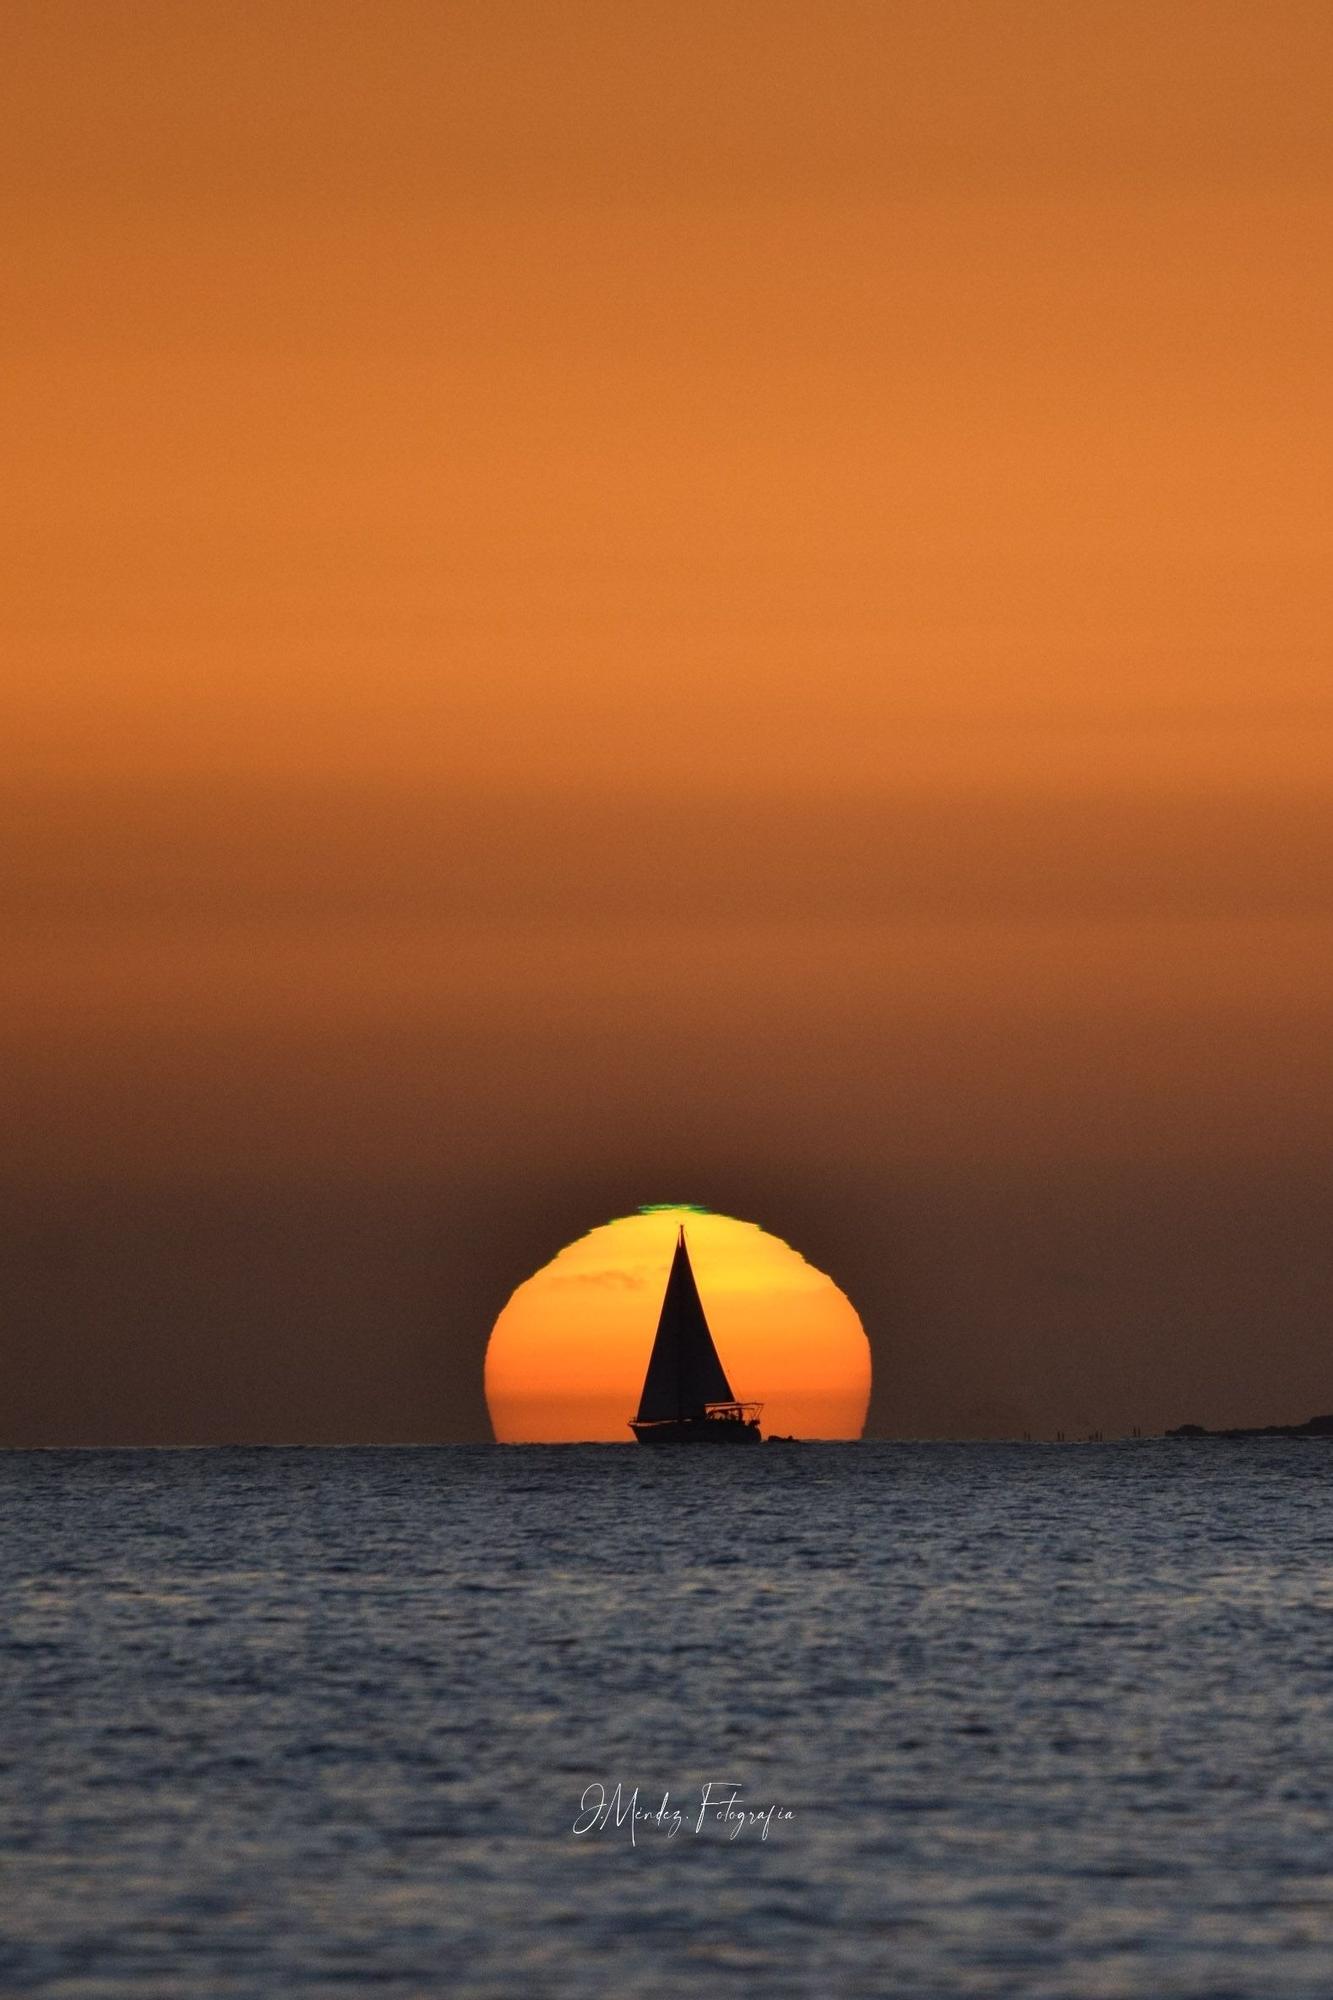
x=567, y=1355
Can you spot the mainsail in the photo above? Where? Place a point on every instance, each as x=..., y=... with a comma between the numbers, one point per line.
x=684, y=1371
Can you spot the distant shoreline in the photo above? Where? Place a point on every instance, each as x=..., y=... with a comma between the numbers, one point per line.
x=1312, y=1427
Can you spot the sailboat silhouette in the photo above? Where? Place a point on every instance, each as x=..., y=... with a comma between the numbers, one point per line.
x=687, y=1398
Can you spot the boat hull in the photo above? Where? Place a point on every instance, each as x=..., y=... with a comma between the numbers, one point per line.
x=699, y=1430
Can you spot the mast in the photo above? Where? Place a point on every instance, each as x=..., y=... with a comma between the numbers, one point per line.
x=684, y=1370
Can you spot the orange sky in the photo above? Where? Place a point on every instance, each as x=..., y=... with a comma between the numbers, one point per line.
x=614, y=601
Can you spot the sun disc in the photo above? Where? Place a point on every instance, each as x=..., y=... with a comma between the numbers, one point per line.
x=566, y=1357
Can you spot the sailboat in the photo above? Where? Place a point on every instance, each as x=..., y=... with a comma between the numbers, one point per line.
x=687, y=1398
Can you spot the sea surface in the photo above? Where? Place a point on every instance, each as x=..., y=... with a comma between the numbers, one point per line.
x=1046, y=1720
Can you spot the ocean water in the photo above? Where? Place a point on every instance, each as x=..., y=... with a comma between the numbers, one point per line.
x=1032, y=1720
